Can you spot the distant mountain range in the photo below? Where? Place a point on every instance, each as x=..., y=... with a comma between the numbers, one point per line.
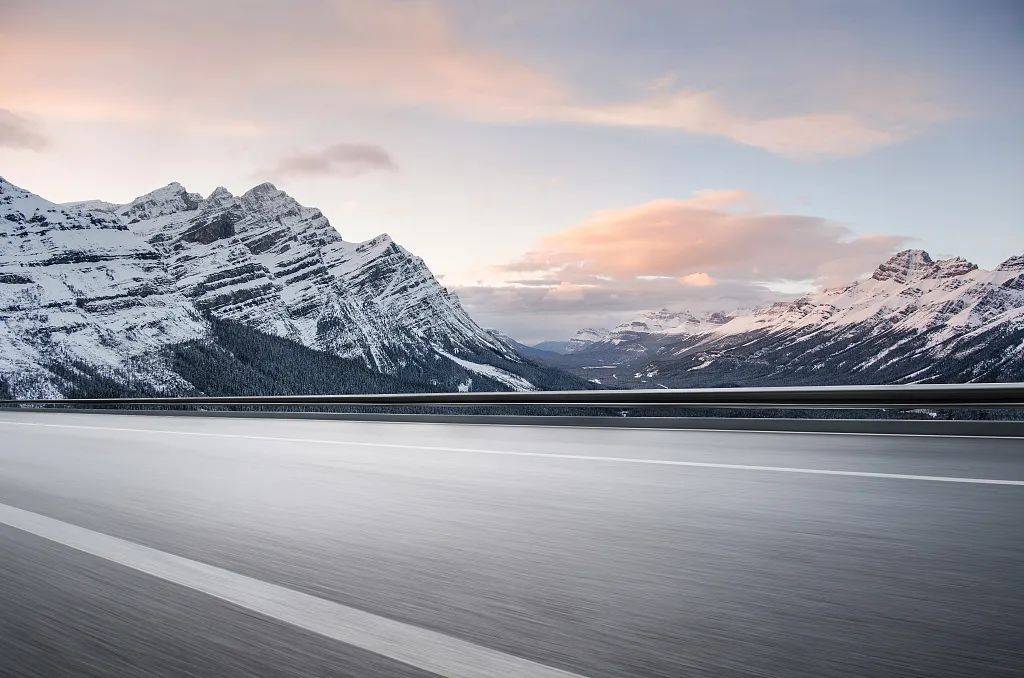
x=913, y=320
x=174, y=293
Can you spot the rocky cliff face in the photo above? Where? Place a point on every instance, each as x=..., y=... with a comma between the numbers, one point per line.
x=913, y=320
x=77, y=288
x=99, y=286
x=266, y=261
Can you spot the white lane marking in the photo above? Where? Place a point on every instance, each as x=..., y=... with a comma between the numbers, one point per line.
x=546, y=455
x=422, y=648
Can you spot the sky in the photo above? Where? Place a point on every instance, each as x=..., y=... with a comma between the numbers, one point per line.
x=558, y=165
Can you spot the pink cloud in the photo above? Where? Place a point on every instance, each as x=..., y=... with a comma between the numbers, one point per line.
x=355, y=51
x=807, y=135
x=718, y=250
x=702, y=240
x=363, y=52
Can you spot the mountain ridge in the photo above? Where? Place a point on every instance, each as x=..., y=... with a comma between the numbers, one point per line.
x=99, y=295
x=914, y=319
x=107, y=287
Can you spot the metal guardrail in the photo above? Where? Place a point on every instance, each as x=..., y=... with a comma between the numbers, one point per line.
x=984, y=396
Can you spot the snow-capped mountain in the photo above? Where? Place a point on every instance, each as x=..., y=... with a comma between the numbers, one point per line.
x=913, y=320
x=107, y=287
x=596, y=354
x=78, y=288
x=585, y=337
x=661, y=323
x=266, y=261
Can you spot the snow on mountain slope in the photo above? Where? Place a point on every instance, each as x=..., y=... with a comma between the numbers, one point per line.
x=669, y=323
x=266, y=261
x=663, y=322
x=107, y=285
x=908, y=292
x=78, y=288
x=914, y=319
x=516, y=382
x=602, y=350
x=586, y=337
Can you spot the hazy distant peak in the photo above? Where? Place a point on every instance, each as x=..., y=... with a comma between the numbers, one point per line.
x=1014, y=263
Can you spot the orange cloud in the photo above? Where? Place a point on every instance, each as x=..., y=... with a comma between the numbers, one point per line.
x=702, y=240
x=699, y=279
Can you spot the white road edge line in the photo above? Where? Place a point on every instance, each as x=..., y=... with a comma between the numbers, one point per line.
x=606, y=428
x=619, y=428
x=676, y=429
x=546, y=455
x=429, y=650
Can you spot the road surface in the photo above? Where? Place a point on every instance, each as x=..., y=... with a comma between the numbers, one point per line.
x=217, y=547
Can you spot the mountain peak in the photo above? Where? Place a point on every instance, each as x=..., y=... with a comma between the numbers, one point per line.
x=589, y=334
x=266, y=188
x=271, y=201
x=170, y=191
x=379, y=242
x=219, y=198
x=164, y=200
x=904, y=265
x=1014, y=263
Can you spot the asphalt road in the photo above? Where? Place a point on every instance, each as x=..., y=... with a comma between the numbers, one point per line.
x=219, y=547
